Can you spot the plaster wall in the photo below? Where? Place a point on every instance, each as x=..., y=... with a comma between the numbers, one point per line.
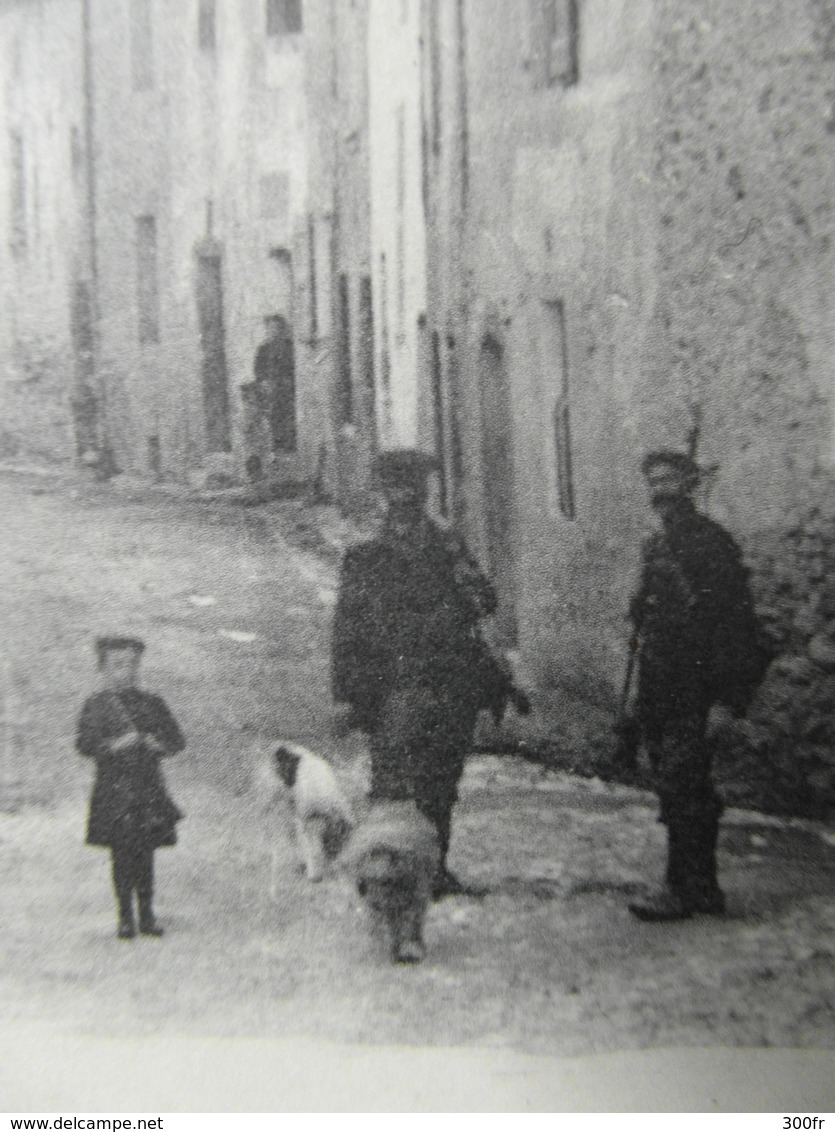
x=398, y=232
x=216, y=152
x=673, y=202
x=42, y=197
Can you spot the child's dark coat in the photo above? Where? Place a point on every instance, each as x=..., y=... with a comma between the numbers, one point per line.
x=130, y=803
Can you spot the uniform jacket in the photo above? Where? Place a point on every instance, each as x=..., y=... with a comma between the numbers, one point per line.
x=407, y=610
x=694, y=591
x=129, y=800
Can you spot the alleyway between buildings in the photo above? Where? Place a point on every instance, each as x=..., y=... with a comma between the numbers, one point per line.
x=235, y=604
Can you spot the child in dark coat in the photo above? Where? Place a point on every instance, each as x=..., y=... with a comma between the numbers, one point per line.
x=127, y=731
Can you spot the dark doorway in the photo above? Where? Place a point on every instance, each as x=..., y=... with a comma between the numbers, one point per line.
x=498, y=478
x=209, y=294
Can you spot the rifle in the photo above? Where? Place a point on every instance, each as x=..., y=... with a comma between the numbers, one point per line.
x=627, y=728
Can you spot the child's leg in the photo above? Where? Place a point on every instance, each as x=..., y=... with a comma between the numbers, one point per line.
x=145, y=892
x=122, y=864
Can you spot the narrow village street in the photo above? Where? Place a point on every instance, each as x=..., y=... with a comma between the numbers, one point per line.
x=235, y=604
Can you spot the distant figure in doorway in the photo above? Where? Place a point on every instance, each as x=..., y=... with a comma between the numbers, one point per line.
x=275, y=381
x=126, y=732
x=695, y=626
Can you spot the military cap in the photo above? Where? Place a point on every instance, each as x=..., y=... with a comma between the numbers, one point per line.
x=679, y=462
x=105, y=645
x=403, y=467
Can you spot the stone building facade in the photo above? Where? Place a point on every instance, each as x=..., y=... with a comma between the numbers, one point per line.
x=636, y=198
x=45, y=267
x=201, y=164
x=535, y=237
x=339, y=331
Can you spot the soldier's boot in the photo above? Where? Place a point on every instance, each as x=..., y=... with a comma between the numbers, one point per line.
x=701, y=889
x=671, y=902
x=662, y=907
x=446, y=883
x=691, y=884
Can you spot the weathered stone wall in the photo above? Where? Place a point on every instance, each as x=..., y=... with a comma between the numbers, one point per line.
x=745, y=316
x=36, y=424
x=398, y=236
x=677, y=201
x=745, y=336
x=782, y=757
x=213, y=150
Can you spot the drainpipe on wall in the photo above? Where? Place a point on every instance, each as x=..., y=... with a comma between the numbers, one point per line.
x=98, y=393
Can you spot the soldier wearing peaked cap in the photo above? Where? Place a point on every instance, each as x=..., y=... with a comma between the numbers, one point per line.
x=695, y=620
x=406, y=654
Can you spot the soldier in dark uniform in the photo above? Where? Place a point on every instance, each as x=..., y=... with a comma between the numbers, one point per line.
x=407, y=656
x=126, y=732
x=693, y=591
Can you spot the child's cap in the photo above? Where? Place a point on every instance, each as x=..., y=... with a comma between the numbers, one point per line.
x=104, y=645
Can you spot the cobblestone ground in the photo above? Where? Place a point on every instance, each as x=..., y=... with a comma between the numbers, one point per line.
x=236, y=614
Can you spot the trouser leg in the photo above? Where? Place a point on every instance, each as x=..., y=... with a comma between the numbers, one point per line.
x=123, y=871
x=699, y=884
x=690, y=807
x=397, y=743
x=436, y=802
x=145, y=887
x=419, y=750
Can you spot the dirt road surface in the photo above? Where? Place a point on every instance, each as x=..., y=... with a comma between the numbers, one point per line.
x=236, y=612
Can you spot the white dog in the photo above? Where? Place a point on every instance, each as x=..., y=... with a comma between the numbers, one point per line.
x=322, y=817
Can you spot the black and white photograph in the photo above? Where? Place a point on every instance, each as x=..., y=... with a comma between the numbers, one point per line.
x=417, y=622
